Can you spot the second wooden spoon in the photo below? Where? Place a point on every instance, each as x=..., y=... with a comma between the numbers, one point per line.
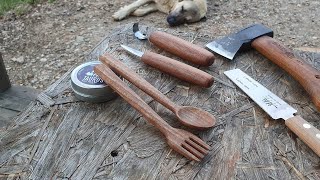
x=189, y=116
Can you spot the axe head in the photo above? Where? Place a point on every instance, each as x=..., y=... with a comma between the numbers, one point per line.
x=230, y=45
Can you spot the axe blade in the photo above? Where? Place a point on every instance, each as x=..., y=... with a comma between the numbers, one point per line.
x=230, y=45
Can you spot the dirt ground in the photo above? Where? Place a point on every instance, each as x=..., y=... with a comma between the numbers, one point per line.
x=40, y=46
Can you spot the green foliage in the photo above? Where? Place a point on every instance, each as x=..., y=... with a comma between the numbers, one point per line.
x=6, y=5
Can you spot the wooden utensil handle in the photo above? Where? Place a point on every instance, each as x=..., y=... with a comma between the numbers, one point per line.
x=178, y=69
x=106, y=74
x=182, y=48
x=304, y=73
x=120, y=68
x=306, y=132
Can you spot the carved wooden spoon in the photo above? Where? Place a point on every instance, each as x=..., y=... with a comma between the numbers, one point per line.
x=189, y=116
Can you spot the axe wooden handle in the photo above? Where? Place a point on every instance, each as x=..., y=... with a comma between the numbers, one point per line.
x=182, y=48
x=304, y=73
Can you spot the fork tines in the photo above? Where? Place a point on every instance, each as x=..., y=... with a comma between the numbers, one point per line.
x=196, y=148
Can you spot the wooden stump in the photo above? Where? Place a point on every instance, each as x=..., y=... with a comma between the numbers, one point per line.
x=59, y=137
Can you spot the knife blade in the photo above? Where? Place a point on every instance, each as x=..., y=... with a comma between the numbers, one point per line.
x=276, y=108
x=173, y=67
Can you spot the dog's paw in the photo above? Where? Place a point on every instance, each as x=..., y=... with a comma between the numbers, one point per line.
x=119, y=15
x=140, y=12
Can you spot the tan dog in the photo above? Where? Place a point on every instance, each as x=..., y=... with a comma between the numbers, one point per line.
x=185, y=11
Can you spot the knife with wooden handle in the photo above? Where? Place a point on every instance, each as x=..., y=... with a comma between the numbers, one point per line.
x=182, y=48
x=173, y=67
x=277, y=108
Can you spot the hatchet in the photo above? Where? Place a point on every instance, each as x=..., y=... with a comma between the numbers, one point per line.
x=260, y=38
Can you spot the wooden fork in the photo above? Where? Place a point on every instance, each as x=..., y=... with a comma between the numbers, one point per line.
x=184, y=142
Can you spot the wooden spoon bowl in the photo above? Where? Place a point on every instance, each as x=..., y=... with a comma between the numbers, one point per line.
x=194, y=117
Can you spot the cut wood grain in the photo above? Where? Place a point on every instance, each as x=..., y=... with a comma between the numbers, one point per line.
x=45, y=100
x=6, y=116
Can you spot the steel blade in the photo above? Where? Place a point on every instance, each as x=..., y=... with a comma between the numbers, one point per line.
x=132, y=51
x=225, y=47
x=135, y=27
x=137, y=33
x=269, y=102
x=239, y=41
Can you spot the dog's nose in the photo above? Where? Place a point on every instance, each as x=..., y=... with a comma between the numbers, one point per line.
x=171, y=20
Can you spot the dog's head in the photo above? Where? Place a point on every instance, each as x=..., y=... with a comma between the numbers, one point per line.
x=187, y=11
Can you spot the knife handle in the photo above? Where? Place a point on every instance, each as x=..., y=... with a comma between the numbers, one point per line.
x=182, y=48
x=304, y=73
x=178, y=69
x=306, y=132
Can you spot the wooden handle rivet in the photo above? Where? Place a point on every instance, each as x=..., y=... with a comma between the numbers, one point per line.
x=318, y=136
x=307, y=126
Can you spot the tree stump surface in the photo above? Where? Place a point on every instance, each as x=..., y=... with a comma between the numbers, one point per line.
x=59, y=137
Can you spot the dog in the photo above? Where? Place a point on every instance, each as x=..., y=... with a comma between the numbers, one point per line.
x=179, y=11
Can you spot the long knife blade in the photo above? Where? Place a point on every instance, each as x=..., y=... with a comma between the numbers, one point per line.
x=268, y=101
x=276, y=108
